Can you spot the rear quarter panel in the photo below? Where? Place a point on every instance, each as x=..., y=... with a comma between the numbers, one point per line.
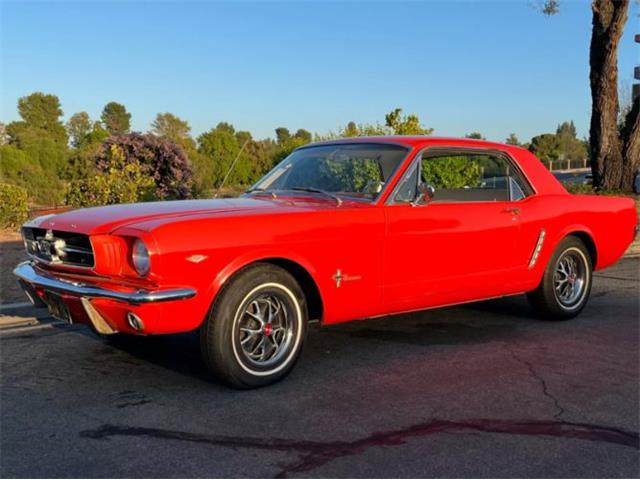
x=608, y=221
x=611, y=221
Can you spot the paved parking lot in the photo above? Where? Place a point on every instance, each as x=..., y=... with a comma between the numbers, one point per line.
x=482, y=390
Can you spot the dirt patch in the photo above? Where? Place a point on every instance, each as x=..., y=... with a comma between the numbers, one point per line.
x=634, y=249
x=11, y=253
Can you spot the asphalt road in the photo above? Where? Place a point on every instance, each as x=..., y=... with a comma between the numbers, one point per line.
x=579, y=177
x=483, y=390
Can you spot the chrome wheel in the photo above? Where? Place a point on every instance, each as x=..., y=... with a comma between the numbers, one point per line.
x=266, y=329
x=570, y=278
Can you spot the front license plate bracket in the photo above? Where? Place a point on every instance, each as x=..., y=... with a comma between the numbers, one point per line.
x=57, y=307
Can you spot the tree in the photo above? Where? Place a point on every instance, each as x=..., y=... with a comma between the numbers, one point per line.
x=263, y=155
x=41, y=110
x=159, y=158
x=4, y=136
x=407, y=125
x=115, y=118
x=631, y=147
x=546, y=147
x=362, y=130
x=614, y=151
x=287, y=143
x=40, y=133
x=40, y=114
x=220, y=146
x=167, y=125
x=203, y=181
x=282, y=135
x=395, y=124
x=18, y=168
x=83, y=159
x=243, y=137
x=303, y=135
x=351, y=130
x=561, y=145
x=512, y=139
x=78, y=127
x=226, y=127
x=570, y=146
x=475, y=136
x=98, y=134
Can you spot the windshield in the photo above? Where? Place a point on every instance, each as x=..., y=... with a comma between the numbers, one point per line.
x=358, y=170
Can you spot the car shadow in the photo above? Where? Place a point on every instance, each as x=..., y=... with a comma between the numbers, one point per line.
x=178, y=352
x=445, y=326
x=461, y=325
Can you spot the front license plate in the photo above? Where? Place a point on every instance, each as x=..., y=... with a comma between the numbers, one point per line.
x=57, y=308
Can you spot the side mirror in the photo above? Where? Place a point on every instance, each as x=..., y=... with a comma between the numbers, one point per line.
x=424, y=194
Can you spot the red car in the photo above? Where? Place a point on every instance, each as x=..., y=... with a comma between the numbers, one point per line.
x=339, y=230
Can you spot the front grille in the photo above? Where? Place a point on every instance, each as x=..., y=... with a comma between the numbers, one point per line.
x=59, y=248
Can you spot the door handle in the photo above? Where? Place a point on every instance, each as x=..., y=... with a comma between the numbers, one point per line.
x=512, y=211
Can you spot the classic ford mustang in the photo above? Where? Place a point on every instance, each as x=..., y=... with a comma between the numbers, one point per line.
x=339, y=230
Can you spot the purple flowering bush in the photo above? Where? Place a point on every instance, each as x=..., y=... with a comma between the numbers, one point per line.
x=159, y=158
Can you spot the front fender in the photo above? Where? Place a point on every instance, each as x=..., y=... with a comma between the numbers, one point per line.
x=255, y=256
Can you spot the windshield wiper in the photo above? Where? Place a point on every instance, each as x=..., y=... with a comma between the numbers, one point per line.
x=261, y=190
x=318, y=190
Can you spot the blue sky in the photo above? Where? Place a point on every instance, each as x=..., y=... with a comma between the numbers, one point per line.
x=492, y=66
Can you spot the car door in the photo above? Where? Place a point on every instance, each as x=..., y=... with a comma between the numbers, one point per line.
x=459, y=245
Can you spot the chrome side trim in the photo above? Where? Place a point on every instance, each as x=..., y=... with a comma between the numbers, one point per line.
x=28, y=274
x=536, y=251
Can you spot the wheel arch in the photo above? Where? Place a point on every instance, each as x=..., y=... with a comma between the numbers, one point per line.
x=307, y=283
x=588, y=241
x=297, y=268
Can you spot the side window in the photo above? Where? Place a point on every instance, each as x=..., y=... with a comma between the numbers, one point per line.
x=406, y=192
x=471, y=177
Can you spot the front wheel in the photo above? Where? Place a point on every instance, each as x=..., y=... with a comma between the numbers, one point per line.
x=566, y=283
x=254, y=333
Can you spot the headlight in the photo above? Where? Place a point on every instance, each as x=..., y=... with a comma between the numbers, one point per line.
x=140, y=258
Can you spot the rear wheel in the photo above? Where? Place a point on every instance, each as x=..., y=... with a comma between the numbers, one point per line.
x=566, y=284
x=254, y=333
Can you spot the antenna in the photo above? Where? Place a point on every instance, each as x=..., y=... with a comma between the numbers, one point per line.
x=233, y=164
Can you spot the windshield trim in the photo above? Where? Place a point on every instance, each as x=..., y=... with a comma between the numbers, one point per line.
x=373, y=201
x=349, y=141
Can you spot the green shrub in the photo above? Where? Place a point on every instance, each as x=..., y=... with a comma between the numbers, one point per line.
x=14, y=207
x=121, y=183
x=583, y=189
x=579, y=189
x=452, y=172
x=18, y=168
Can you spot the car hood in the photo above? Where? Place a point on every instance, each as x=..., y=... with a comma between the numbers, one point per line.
x=100, y=220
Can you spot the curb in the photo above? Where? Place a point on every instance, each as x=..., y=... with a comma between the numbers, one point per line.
x=13, y=306
x=10, y=311
x=10, y=323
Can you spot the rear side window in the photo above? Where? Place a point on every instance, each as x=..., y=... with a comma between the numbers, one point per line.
x=472, y=177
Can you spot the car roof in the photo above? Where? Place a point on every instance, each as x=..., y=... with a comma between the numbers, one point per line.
x=413, y=141
x=542, y=181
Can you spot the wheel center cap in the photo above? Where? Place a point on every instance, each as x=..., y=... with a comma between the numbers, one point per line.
x=267, y=329
x=572, y=279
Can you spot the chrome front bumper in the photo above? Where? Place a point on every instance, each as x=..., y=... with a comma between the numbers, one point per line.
x=28, y=274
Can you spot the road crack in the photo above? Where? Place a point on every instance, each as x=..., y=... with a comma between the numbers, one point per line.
x=545, y=389
x=313, y=454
